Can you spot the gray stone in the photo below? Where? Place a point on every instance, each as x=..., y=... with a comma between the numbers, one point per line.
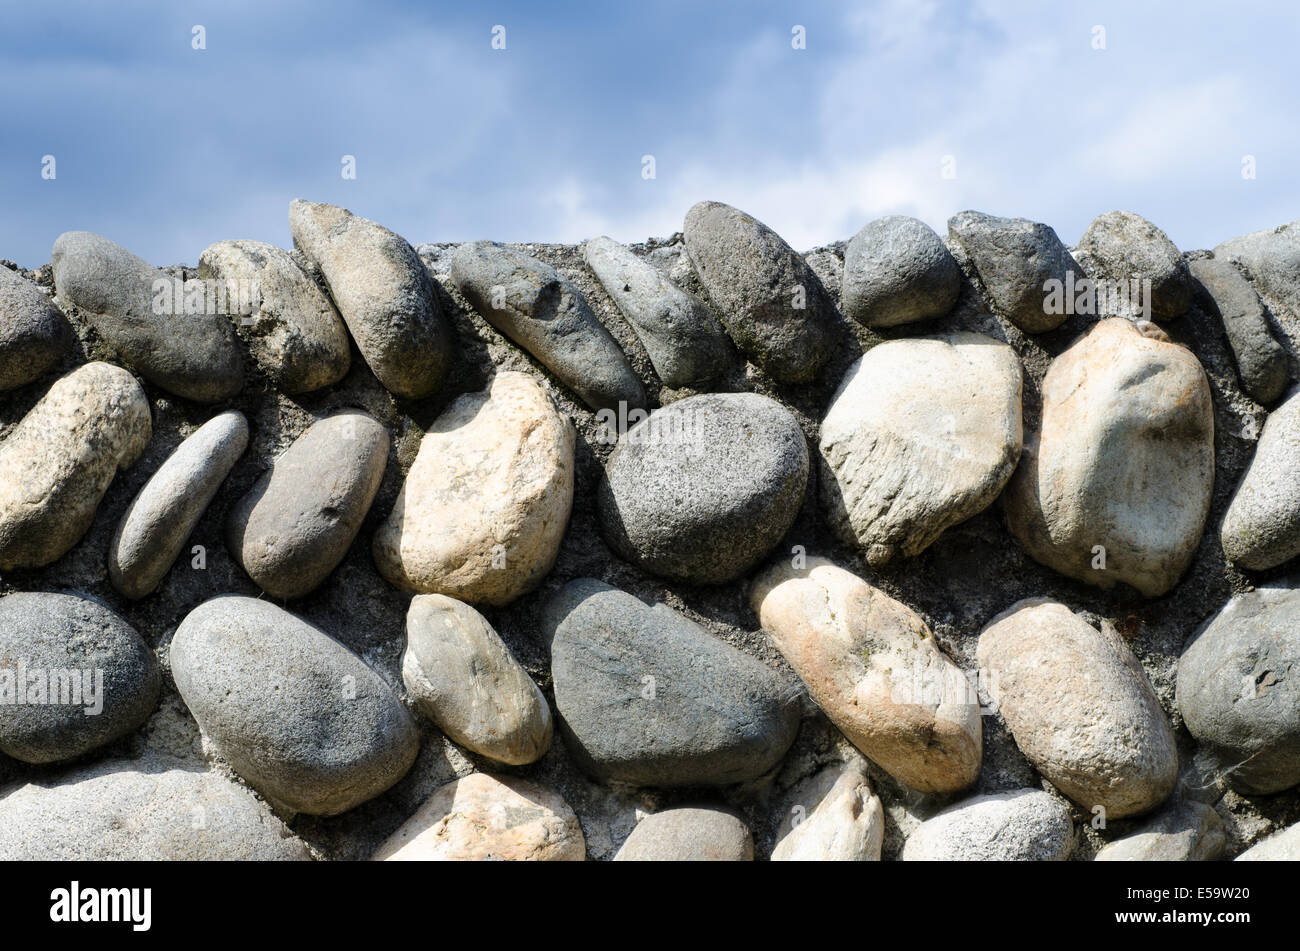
x=686, y=344
x=898, y=271
x=1026, y=825
x=293, y=330
x=295, y=524
x=701, y=490
x=1014, y=258
x=292, y=710
x=161, y=517
x=1261, y=528
x=831, y=817
x=382, y=291
x=1271, y=259
x=34, y=334
x=1122, y=246
x=771, y=302
x=58, y=462
x=188, y=350
x=460, y=674
x=647, y=697
x=1281, y=846
x=688, y=834
x=547, y=315
x=1261, y=361
x=1183, y=832
x=1238, y=692
x=73, y=676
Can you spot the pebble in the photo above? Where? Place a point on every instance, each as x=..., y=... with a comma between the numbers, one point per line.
x=58, y=462
x=833, y=817
x=133, y=306
x=647, y=697
x=547, y=315
x=872, y=665
x=1121, y=247
x=686, y=344
x=297, y=521
x=898, y=271
x=34, y=334
x=923, y=433
x=383, y=293
x=1025, y=825
x=701, y=490
x=161, y=517
x=1116, y=484
x=1272, y=259
x=480, y=817
x=1238, y=691
x=292, y=710
x=1079, y=707
x=688, y=834
x=484, y=507
x=1261, y=361
x=1282, y=846
x=461, y=675
x=1184, y=832
x=73, y=676
x=1261, y=528
x=295, y=334
x=771, y=302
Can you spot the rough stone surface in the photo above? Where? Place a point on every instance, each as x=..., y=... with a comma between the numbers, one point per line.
x=383, y=293
x=161, y=517
x=922, y=434
x=701, y=490
x=1026, y=825
x=1261, y=529
x=688, y=834
x=133, y=306
x=1122, y=246
x=898, y=271
x=58, y=462
x=1271, y=259
x=832, y=817
x=1123, y=459
x=481, y=817
x=1282, y=846
x=1261, y=361
x=771, y=302
x=292, y=710
x=34, y=334
x=485, y=505
x=873, y=667
x=707, y=715
x=459, y=674
x=1186, y=831
x=296, y=523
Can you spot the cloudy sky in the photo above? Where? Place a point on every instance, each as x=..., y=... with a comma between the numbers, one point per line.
x=911, y=107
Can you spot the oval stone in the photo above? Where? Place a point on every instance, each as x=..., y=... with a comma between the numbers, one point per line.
x=1026, y=825
x=1261, y=528
x=688, y=834
x=34, y=334
x=1120, y=247
x=898, y=271
x=831, y=817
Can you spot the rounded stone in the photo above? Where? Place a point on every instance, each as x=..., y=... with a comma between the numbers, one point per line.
x=1186, y=831
x=1122, y=247
x=1223, y=293
x=34, y=334
x=1261, y=528
x=688, y=834
x=1026, y=825
x=831, y=817
x=898, y=271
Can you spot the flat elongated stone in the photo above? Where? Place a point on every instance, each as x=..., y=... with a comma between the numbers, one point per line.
x=1261, y=528
x=1261, y=361
x=898, y=271
x=832, y=817
x=1122, y=247
x=34, y=334
x=1026, y=825
x=1184, y=832
x=688, y=834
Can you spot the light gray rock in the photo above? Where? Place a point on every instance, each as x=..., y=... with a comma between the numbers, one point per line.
x=688, y=834
x=686, y=344
x=460, y=674
x=1183, y=832
x=293, y=330
x=1282, y=846
x=295, y=524
x=73, y=676
x=1115, y=486
x=701, y=490
x=1261, y=361
x=1238, y=692
x=161, y=517
x=34, y=334
x=771, y=302
x=547, y=315
x=1026, y=825
x=382, y=291
x=1261, y=528
x=898, y=271
x=923, y=433
x=293, y=711
x=189, y=350
x=1122, y=247
x=831, y=817
x=1271, y=260
x=58, y=462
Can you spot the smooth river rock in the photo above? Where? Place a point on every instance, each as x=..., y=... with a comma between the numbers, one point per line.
x=34, y=334
x=484, y=506
x=1281, y=846
x=647, y=697
x=1261, y=528
x=1261, y=360
x=1026, y=825
x=874, y=668
x=58, y=462
x=1115, y=486
x=923, y=433
x=832, y=817
x=1186, y=831
x=292, y=710
x=898, y=271
x=1122, y=247
x=688, y=834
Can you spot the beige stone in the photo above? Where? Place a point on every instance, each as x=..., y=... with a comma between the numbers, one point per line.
x=832, y=817
x=689, y=834
x=1281, y=846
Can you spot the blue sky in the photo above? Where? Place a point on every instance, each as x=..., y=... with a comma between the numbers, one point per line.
x=166, y=149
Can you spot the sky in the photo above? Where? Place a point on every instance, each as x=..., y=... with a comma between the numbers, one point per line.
x=1182, y=112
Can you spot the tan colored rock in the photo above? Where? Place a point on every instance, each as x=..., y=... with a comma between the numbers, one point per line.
x=874, y=668
x=1079, y=707
x=689, y=834
x=1281, y=846
x=1187, y=831
x=485, y=505
x=481, y=817
x=832, y=817
x=1115, y=486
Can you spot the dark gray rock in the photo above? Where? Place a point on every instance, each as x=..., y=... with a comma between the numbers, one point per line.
x=1121, y=246
x=73, y=676
x=547, y=315
x=771, y=302
x=689, y=834
x=292, y=710
x=133, y=306
x=1261, y=361
x=1261, y=528
x=1272, y=262
x=34, y=334
x=898, y=271
x=645, y=696
x=701, y=490
x=295, y=525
